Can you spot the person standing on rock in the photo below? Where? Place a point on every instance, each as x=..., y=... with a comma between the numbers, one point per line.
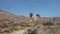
x=31, y=15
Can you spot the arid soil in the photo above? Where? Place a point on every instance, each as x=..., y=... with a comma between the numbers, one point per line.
x=13, y=24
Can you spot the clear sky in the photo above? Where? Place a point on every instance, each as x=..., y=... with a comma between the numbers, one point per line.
x=46, y=8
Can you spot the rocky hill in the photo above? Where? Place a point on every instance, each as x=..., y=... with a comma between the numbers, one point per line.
x=13, y=17
x=9, y=21
x=10, y=16
x=13, y=24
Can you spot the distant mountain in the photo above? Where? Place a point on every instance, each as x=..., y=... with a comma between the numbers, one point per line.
x=57, y=19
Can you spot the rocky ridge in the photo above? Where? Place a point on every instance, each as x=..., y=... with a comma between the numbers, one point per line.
x=12, y=24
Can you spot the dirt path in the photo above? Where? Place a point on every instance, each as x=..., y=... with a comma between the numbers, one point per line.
x=24, y=31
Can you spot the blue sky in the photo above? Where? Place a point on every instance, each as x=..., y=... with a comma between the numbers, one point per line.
x=46, y=8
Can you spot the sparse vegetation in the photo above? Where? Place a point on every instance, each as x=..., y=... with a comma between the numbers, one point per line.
x=48, y=24
x=10, y=23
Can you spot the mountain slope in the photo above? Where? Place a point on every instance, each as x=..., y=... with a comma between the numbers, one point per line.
x=10, y=16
